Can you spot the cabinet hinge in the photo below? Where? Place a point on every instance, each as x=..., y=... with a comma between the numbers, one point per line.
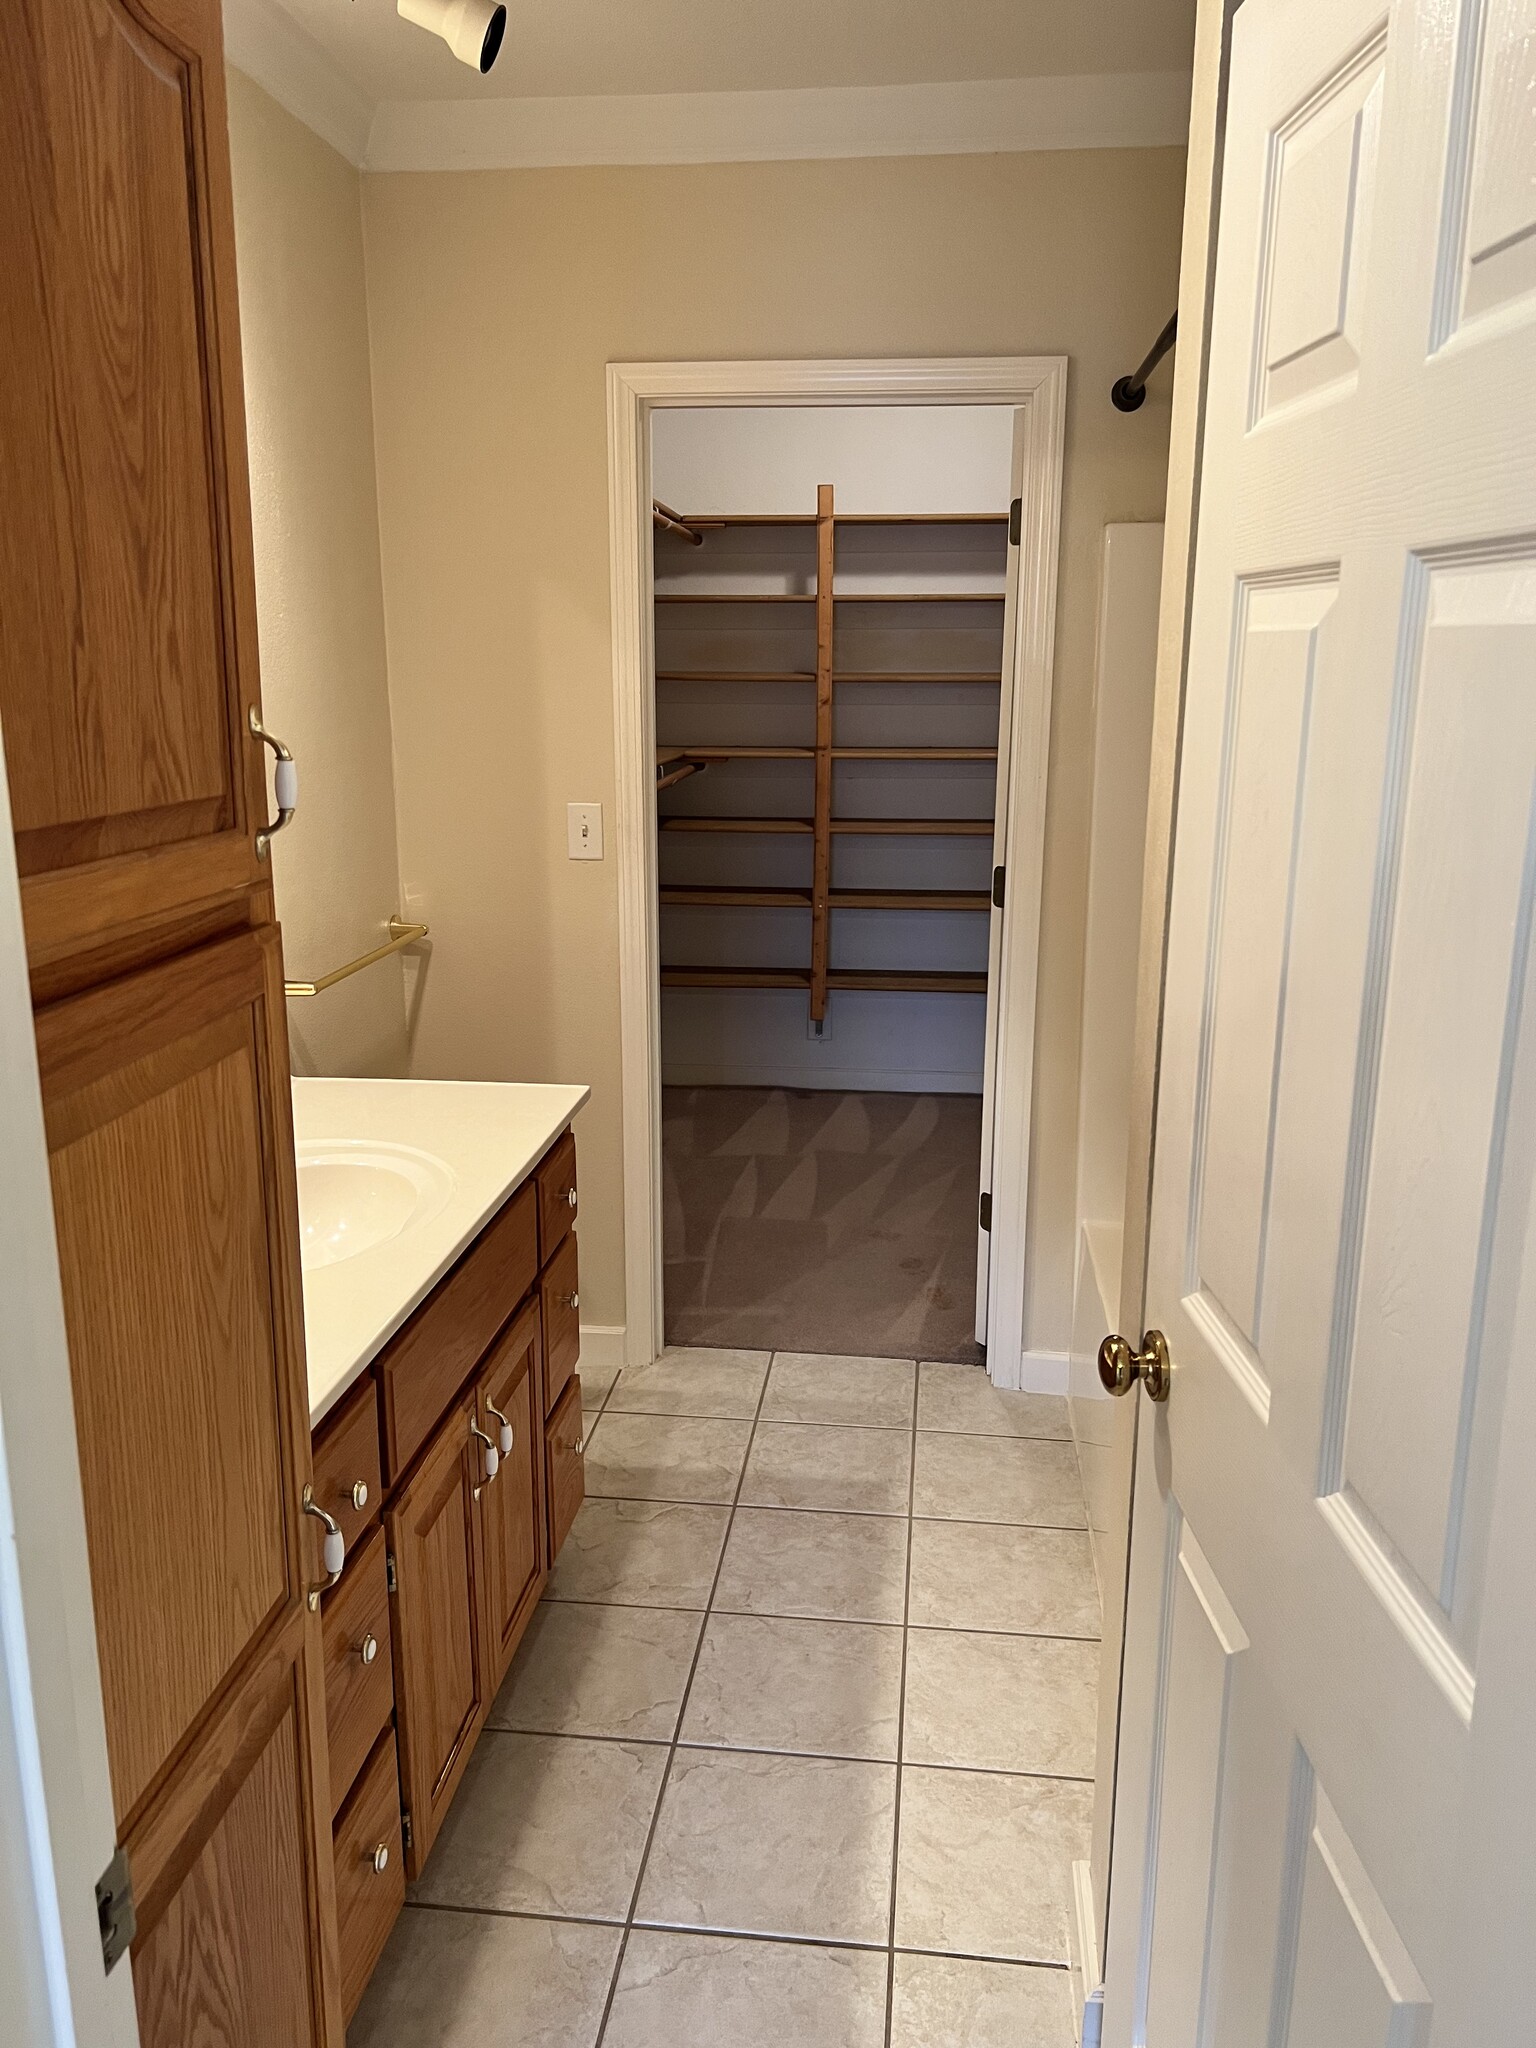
x=999, y=877
x=984, y=1214
x=1015, y=521
x=115, y=1913
x=391, y=1576
x=405, y=1829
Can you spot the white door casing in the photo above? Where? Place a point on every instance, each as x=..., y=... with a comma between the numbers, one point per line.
x=1002, y=810
x=1037, y=386
x=1324, y=1804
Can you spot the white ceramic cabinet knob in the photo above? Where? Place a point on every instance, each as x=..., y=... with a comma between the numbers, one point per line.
x=570, y=1196
x=368, y=1648
x=377, y=1859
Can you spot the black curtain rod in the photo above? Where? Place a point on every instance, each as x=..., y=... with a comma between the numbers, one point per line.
x=1130, y=392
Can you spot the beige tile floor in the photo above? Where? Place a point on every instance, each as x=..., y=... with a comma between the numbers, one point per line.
x=798, y=1747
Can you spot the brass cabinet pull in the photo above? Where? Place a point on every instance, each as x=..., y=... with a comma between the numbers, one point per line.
x=506, y=1434
x=334, y=1549
x=368, y=1648
x=285, y=783
x=360, y=1494
x=492, y=1455
x=377, y=1858
x=1120, y=1367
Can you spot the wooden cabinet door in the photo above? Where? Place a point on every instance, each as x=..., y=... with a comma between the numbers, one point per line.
x=167, y=1104
x=127, y=599
x=441, y=1683
x=512, y=1505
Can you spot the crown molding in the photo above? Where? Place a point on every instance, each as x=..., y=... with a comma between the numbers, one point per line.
x=267, y=44
x=1110, y=110
x=1115, y=110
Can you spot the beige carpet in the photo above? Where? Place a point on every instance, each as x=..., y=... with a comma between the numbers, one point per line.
x=822, y=1221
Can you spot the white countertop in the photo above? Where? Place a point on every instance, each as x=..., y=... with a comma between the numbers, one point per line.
x=488, y=1133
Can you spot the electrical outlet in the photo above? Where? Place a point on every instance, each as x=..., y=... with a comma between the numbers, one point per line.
x=584, y=831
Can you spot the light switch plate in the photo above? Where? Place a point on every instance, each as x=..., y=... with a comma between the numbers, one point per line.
x=584, y=831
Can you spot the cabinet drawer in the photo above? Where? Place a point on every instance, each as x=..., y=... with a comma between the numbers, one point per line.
x=561, y=1305
x=427, y=1363
x=370, y=1870
x=566, y=1483
x=348, y=1479
x=359, y=1672
x=555, y=1179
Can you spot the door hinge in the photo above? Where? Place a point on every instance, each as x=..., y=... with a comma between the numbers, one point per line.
x=405, y=1829
x=999, y=875
x=1015, y=522
x=115, y=1914
x=984, y=1213
x=391, y=1576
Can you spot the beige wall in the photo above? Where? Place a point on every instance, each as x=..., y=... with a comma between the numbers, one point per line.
x=495, y=300
x=309, y=419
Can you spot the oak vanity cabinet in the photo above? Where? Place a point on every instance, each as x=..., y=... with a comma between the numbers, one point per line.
x=130, y=708
x=453, y=1469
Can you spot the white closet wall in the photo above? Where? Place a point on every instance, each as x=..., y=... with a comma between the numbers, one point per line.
x=932, y=460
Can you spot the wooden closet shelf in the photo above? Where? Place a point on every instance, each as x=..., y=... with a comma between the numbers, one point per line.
x=918, y=596
x=717, y=519
x=735, y=597
x=914, y=753
x=910, y=899
x=666, y=754
x=895, y=980
x=712, y=896
x=907, y=982
x=694, y=824
x=735, y=977
x=940, y=828
x=927, y=675
x=715, y=675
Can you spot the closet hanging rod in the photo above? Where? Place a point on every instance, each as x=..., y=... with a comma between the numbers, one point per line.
x=693, y=531
x=679, y=774
x=1129, y=393
x=400, y=934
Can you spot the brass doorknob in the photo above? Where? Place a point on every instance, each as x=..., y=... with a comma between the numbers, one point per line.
x=1120, y=1367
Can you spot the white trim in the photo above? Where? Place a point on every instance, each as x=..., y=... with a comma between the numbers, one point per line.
x=1108, y=110
x=871, y=1080
x=268, y=45
x=602, y=1347
x=57, y=1826
x=1038, y=386
x=1040, y=1372
x=1082, y=1942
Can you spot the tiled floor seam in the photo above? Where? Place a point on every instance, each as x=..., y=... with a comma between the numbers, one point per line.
x=769, y=1507
x=901, y=1735
x=682, y=1708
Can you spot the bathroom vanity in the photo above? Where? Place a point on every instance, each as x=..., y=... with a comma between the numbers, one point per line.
x=442, y=1328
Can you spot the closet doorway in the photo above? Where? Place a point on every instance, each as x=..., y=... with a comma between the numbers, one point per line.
x=840, y=684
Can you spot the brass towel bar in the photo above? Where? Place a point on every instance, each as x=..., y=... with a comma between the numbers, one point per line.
x=400, y=934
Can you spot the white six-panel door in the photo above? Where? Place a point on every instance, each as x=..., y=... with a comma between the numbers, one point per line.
x=1326, y=1821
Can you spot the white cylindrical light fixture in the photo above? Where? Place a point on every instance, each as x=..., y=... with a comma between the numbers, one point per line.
x=472, y=29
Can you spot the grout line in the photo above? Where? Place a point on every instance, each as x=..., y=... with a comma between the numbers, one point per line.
x=901, y=1743
x=871, y=1514
x=682, y=1708
x=727, y=1934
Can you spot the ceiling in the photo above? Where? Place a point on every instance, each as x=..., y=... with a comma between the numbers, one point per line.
x=582, y=47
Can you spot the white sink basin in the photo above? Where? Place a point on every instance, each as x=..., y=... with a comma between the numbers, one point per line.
x=355, y=1194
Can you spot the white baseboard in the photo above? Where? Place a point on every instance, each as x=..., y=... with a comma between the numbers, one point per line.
x=860, y=1080
x=1041, y=1373
x=602, y=1348
x=1082, y=1942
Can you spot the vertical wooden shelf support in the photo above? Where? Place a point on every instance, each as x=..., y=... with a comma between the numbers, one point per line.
x=821, y=882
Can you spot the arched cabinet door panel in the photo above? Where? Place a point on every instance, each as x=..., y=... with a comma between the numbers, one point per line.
x=127, y=603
